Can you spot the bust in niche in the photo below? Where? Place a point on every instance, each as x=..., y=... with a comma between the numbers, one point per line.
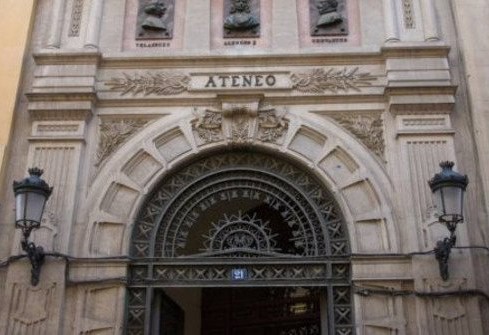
x=154, y=20
x=241, y=20
x=328, y=17
x=328, y=9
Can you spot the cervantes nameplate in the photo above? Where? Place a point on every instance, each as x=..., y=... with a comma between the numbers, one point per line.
x=240, y=81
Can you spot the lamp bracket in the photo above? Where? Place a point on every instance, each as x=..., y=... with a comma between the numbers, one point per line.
x=36, y=257
x=442, y=251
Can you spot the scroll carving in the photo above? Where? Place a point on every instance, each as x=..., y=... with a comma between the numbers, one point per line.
x=113, y=134
x=319, y=80
x=328, y=17
x=211, y=125
x=155, y=19
x=367, y=128
x=161, y=83
x=242, y=18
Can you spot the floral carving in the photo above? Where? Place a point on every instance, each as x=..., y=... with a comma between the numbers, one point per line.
x=208, y=125
x=161, y=83
x=271, y=126
x=367, y=128
x=113, y=134
x=76, y=17
x=319, y=80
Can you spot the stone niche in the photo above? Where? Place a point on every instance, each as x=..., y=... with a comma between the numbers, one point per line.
x=328, y=17
x=241, y=18
x=155, y=19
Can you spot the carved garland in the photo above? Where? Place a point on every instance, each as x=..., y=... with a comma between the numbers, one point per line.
x=150, y=83
x=319, y=80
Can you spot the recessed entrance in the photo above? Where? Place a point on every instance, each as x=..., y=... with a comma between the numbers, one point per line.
x=262, y=229
x=240, y=311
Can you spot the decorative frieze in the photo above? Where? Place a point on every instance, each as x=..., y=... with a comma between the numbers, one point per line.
x=159, y=83
x=114, y=133
x=368, y=128
x=320, y=80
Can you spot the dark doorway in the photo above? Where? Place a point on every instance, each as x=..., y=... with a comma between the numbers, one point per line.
x=261, y=311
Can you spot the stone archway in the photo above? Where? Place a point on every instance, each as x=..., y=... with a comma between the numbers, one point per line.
x=241, y=218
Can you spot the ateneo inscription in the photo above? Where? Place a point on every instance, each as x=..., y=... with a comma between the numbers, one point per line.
x=241, y=81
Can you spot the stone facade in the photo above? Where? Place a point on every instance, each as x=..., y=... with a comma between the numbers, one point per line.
x=365, y=97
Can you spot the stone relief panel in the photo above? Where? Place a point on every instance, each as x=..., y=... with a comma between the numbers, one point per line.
x=157, y=83
x=114, y=133
x=155, y=19
x=241, y=18
x=240, y=124
x=367, y=128
x=328, y=17
x=30, y=309
x=320, y=80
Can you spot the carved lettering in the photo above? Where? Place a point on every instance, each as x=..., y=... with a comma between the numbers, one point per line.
x=241, y=80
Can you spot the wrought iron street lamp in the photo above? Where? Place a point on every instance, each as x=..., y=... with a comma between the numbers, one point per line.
x=448, y=188
x=31, y=195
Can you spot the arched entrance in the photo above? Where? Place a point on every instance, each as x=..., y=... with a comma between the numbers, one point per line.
x=240, y=219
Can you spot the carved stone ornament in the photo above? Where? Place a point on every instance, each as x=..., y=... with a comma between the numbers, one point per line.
x=237, y=122
x=155, y=19
x=241, y=18
x=159, y=83
x=367, y=128
x=113, y=134
x=328, y=17
x=208, y=125
x=319, y=80
x=76, y=17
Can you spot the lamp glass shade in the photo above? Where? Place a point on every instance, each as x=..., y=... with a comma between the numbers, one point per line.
x=449, y=203
x=29, y=209
x=448, y=189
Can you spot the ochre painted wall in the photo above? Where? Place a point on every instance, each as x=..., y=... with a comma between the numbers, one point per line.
x=15, y=25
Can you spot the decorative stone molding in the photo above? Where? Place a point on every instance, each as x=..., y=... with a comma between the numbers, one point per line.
x=76, y=18
x=208, y=125
x=30, y=309
x=114, y=133
x=240, y=120
x=320, y=80
x=407, y=9
x=368, y=128
x=271, y=126
x=160, y=83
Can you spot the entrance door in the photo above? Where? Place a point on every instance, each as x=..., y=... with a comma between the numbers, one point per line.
x=261, y=311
